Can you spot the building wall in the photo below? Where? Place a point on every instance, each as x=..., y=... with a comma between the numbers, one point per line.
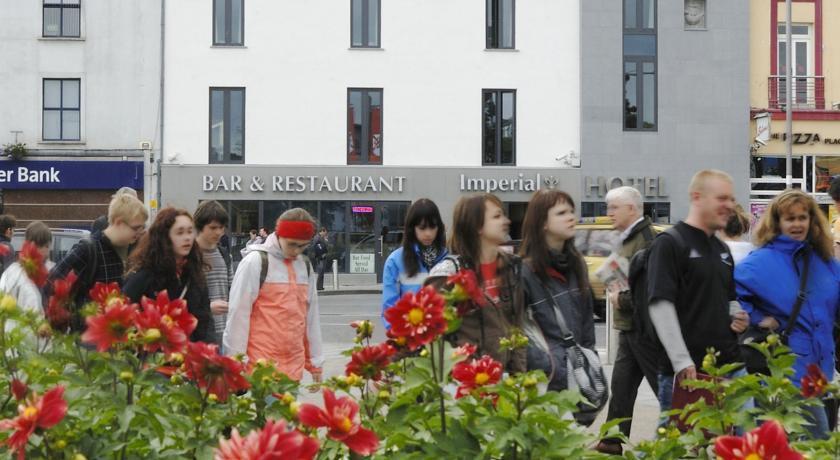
x=297, y=66
x=117, y=58
x=703, y=79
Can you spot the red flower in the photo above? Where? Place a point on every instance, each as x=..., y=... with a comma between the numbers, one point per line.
x=417, y=317
x=466, y=350
x=19, y=389
x=476, y=374
x=165, y=325
x=104, y=294
x=32, y=262
x=370, y=361
x=273, y=442
x=465, y=287
x=37, y=412
x=814, y=383
x=341, y=418
x=220, y=375
x=110, y=326
x=768, y=441
x=57, y=312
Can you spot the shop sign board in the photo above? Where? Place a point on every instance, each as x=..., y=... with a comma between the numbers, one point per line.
x=362, y=262
x=70, y=175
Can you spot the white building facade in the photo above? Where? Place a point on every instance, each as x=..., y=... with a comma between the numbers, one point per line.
x=81, y=88
x=354, y=108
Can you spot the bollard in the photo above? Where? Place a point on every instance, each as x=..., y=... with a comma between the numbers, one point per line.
x=335, y=274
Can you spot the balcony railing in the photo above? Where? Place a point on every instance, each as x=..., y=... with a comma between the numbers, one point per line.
x=808, y=92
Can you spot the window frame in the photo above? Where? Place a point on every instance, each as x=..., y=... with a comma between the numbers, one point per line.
x=498, y=154
x=490, y=6
x=639, y=61
x=229, y=24
x=60, y=109
x=61, y=7
x=364, y=148
x=226, y=115
x=365, y=25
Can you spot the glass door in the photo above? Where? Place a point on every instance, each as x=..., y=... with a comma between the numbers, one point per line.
x=803, y=82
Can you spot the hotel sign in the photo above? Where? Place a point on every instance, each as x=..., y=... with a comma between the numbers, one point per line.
x=649, y=187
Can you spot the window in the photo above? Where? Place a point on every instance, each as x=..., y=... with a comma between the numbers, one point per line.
x=61, y=117
x=365, y=23
x=364, y=126
x=500, y=24
x=639, y=41
x=806, y=84
x=498, y=127
x=62, y=18
x=228, y=22
x=227, y=125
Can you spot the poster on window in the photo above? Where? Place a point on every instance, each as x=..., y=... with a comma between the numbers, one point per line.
x=756, y=211
x=362, y=263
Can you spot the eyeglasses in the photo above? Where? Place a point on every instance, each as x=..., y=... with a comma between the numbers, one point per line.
x=137, y=228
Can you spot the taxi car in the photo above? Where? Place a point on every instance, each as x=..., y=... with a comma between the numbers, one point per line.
x=596, y=238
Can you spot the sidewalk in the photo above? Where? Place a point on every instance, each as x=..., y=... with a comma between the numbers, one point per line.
x=351, y=284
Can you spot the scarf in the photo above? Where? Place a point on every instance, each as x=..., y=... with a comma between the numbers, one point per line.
x=558, y=261
x=430, y=255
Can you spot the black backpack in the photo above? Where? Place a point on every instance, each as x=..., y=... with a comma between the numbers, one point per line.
x=638, y=286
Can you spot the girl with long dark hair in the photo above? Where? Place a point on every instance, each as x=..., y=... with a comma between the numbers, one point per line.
x=423, y=247
x=479, y=229
x=556, y=287
x=168, y=258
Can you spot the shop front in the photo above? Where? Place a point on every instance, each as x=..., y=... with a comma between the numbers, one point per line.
x=363, y=208
x=816, y=159
x=62, y=193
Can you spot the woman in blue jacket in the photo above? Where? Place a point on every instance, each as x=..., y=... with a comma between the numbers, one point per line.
x=767, y=283
x=424, y=245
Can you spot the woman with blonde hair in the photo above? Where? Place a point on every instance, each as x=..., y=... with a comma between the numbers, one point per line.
x=794, y=249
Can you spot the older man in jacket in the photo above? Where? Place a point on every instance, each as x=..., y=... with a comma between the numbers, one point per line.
x=635, y=359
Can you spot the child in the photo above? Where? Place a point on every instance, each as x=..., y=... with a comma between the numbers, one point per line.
x=273, y=306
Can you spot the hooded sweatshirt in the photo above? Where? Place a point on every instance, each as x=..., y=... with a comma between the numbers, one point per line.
x=279, y=321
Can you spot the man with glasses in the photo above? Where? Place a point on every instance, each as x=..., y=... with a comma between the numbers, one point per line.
x=633, y=361
x=103, y=257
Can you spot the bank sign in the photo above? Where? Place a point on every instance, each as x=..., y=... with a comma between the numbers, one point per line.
x=70, y=175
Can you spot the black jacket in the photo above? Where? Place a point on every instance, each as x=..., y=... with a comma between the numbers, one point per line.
x=541, y=322
x=141, y=283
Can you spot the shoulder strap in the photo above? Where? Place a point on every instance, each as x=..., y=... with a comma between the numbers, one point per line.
x=93, y=260
x=225, y=256
x=263, y=266
x=677, y=237
x=308, y=266
x=800, y=297
x=648, y=234
x=568, y=336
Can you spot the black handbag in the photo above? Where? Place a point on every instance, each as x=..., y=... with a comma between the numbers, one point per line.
x=755, y=361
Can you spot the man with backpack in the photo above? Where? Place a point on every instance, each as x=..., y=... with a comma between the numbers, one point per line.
x=211, y=219
x=103, y=257
x=635, y=360
x=690, y=286
x=7, y=252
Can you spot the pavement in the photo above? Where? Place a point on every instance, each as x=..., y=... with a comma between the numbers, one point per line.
x=338, y=311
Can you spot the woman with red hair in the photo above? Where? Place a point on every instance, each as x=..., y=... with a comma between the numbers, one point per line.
x=273, y=307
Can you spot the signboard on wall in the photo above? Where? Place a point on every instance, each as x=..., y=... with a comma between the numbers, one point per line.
x=70, y=175
x=362, y=263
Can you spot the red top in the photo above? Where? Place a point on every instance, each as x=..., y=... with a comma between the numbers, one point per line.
x=491, y=286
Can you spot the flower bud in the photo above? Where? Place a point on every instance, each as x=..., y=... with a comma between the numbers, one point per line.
x=510, y=382
x=772, y=339
x=530, y=382
x=52, y=373
x=198, y=419
x=79, y=457
x=176, y=379
x=294, y=408
x=176, y=358
x=661, y=431
x=61, y=444
x=126, y=376
x=424, y=353
x=45, y=331
x=8, y=304
x=262, y=362
x=212, y=398
x=287, y=398
x=384, y=395
x=151, y=335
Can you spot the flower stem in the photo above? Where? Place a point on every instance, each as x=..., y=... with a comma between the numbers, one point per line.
x=440, y=387
x=200, y=420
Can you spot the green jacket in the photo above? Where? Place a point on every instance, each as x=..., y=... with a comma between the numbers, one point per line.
x=635, y=242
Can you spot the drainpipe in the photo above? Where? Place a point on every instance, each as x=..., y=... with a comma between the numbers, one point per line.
x=162, y=111
x=788, y=96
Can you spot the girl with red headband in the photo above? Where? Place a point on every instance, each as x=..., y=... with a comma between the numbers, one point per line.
x=273, y=308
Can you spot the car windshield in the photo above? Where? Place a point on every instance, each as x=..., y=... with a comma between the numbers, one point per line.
x=596, y=242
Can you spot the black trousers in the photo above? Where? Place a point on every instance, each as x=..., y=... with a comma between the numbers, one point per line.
x=322, y=265
x=634, y=361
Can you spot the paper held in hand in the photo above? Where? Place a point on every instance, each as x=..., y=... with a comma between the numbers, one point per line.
x=613, y=273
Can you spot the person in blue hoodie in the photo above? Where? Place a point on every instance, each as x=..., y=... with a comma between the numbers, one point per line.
x=767, y=283
x=423, y=246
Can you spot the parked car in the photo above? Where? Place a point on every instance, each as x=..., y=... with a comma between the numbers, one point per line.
x=595, y=238
x=63, y=241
